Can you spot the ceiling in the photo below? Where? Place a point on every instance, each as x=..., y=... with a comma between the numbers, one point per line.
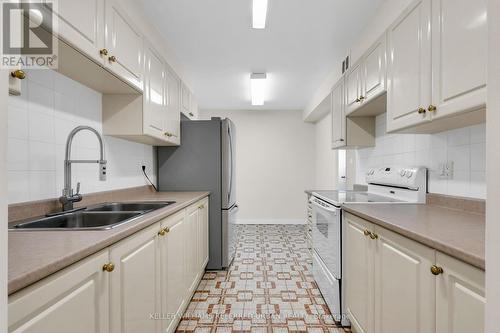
x=300, y=46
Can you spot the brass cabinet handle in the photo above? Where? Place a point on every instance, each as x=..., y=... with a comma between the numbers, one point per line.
x=421, y=110
x=109, y=267
x=168, y=134
x=373, y=235
x=191, y=114
x=201, y=207
x=164, y=231
x=367, y=232
x=103, y=52
x=436, y=270
x=112, y=59
x=431, y=108
x=357, y=100
x=361, y=98
x=18, y=74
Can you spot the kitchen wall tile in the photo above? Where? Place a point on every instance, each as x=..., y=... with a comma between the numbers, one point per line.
x=465, y=147
x=39, y=122
x=17, y=155
x=17, y=122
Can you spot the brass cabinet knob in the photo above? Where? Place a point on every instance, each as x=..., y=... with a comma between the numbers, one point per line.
x=103, y=52
x=18, y=74
x=373, y=235
x=367, y=232
x=112, y=59
x=167, y=134
x=421, y=110
x=431, y=108
x=357, y=100
x=164, y=231
x=191, y=114
x=436, y=270
x=361, y=98
x=109, y=267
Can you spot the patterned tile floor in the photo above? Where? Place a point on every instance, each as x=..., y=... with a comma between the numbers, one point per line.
x=268, y=288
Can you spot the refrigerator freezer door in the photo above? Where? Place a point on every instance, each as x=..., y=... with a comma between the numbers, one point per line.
x=228, y=164
x=228, y=235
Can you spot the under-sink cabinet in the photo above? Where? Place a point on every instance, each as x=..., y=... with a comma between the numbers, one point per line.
x=431, y=75
x=141, y=283
x=395, y=284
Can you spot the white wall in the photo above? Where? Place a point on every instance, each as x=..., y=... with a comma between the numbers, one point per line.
x=274, y=164
x=326, y=158
x=492, y=167
x=39, y=121
x=465, y=147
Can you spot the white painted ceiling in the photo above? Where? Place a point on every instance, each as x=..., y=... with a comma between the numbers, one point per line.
x=300, y=46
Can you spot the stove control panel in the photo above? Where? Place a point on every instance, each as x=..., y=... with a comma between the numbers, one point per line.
x=406, y=177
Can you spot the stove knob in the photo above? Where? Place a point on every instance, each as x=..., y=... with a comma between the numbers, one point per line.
x=402, y=172
x=409, y=174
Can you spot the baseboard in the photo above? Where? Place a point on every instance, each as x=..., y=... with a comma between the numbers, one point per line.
x=271, y=221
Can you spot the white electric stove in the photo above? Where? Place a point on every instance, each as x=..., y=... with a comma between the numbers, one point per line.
x=389, y=185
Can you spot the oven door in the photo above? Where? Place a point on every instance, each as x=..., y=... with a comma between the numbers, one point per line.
x=326, y=235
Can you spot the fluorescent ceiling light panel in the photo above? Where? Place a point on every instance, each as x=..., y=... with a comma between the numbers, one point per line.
x=259, y=14
x=258, y=86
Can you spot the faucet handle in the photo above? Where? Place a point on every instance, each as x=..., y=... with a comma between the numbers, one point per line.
x=78, y=188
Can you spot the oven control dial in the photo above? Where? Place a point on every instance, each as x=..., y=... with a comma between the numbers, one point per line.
x=402, y=173
x=409, y=173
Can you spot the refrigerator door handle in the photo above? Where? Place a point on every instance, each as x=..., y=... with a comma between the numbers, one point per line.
x=229, y=193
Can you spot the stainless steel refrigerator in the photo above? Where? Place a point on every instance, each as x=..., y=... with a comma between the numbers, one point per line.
x=205, y=162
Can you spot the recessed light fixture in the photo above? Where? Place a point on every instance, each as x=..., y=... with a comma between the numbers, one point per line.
x=259, y=14
x=258, y=87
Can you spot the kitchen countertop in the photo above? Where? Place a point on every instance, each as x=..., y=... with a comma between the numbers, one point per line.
x=457, y=233
x=34, y=255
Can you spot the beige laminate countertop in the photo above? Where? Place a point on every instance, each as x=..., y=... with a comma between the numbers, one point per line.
x=454, y=232
x=34, y=255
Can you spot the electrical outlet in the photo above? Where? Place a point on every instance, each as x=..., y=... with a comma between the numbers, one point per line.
x=446, y=170
x=102, y=171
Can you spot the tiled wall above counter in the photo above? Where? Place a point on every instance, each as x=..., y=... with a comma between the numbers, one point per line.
x=464, y=148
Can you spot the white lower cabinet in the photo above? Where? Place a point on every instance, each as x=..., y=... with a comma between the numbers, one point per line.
x=73, y=300
x=404, y=286
x=394, y=284
x=136, y=285
x=460, y=297
x=135, y=282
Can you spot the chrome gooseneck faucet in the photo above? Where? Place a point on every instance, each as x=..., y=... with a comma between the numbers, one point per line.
x=68, y=197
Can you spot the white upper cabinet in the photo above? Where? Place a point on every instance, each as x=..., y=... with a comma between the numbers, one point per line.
x=373, y=72
x=124, y=44
x=173, y=125
x=81, y=24
x=338, y=116
x=155, y=108
x=459, y=37
x=186, y=99
x=409, y=67
x=353, y=89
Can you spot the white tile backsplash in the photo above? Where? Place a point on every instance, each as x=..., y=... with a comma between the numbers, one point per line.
x=50, y=106
x=465, y=147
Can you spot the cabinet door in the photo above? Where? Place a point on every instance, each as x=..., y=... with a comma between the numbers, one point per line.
x=460, y=298
x=359, y=273
x=173, y=121
x=155, y=108
x=409, y=67
x=123, y=42
x=353, y=89
x=135, y=283
x=459, y=61
x=186, y=100
x=191, y=247
x=73, y=300
x=203, y=234
x=404, y=285
x=81, y=24
x=173, y=263
x=338, y=116
x=373, y=76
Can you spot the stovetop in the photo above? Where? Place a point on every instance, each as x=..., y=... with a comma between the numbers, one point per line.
x=341, y=197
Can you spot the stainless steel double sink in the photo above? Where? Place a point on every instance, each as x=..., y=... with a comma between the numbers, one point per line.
x=100, y=217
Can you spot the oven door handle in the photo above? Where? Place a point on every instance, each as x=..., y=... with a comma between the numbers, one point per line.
x=326, y=207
